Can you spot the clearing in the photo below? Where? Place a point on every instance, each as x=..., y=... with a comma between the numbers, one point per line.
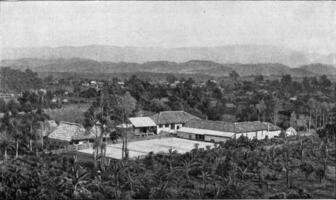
x=142, y=148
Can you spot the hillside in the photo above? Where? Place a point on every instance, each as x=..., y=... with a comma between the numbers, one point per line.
x=245, y=54
x=319, y=68
x=204, y=67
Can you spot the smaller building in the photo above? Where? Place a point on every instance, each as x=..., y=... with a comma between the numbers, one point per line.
x=74, y=133
x=291, y=132
x=143, y=125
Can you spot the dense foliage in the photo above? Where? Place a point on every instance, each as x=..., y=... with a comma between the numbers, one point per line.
x=18, y=81
x=237, y=169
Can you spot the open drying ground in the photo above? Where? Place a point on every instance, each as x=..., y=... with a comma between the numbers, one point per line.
x=142, y=148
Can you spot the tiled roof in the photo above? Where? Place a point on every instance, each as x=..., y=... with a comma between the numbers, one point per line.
x=211, y=125
x=291, y=131
x=94, y=132
x=169, y=117
x=243, y=127
x=68, y=131
x=142, y=121
x=237, y=127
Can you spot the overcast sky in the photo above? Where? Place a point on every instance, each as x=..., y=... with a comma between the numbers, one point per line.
x=298, y=25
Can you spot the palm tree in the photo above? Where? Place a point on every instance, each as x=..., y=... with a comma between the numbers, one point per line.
x=320, y=173
x=171, y=157
x=14, y=129
x=307, y=169
x=29, y=123
x=41, y=118
x=186, y=167
x=79, y=178
x=5, y=143
x=206, y=178
x=324, y=154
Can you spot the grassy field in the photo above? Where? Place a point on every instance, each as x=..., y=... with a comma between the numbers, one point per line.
x=69, y=113
x=142, y=148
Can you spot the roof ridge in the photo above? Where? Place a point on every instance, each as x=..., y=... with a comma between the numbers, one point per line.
x=72, y=123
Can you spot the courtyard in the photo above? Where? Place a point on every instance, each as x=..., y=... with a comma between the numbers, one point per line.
x=143, y=147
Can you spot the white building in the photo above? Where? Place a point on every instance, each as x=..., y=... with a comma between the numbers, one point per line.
x=291, y=132
x=171, y=121
x=219, y=131
x=143, y=125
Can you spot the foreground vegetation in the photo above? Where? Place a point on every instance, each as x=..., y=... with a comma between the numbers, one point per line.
x=297, y=168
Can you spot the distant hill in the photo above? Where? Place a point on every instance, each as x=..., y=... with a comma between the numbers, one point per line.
x=269, y=69
x=204, y=67
x=318, y=68
x=245, y=54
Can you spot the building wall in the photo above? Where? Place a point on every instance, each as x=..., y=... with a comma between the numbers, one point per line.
x=185, y=135
x=138, y=130
x=207, y=138
x=272, y=134
x=250, y=135
x=168, y=127
x=210, y=138
x=258, y=134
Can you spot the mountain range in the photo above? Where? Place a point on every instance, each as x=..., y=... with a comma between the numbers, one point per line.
x=80, y=65
x=246, y=54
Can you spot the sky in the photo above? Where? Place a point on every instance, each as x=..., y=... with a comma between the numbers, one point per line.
x=309, y=26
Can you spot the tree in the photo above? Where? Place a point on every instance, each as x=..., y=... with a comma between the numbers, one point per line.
x=306, y=84
x=307, y=169
x=324, y=82
x=259, y=78
x=313, y=106
x=261, y=108
x=156, y=105
x=5, y=143
x=171, y=78
x=89, y=93
x=234, y=76
x=286, y=80
x=276, y=109
x=31, y=125
x=289, y=163
x=15, y=129
x=292, y=120
x=3, y=106
x=13, y=106
x=320, y=173
x=108, y=111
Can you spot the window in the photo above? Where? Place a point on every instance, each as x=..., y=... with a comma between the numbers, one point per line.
x=199, y=137
x=160, y=126
x=172, y=127
x=167, y=126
